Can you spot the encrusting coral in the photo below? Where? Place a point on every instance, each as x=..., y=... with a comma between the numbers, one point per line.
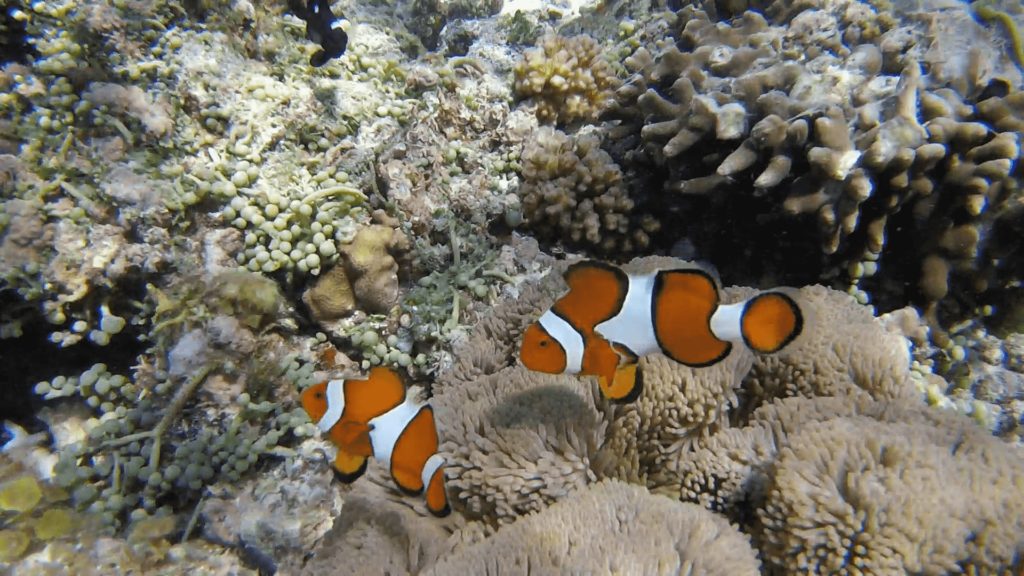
x=371, y=267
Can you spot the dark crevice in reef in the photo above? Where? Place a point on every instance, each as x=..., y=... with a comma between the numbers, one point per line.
x=14, y=44
x=31, y=358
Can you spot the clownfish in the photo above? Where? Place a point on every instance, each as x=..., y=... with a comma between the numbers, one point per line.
x=377, y=417
x=609, y=319
x=323, y=28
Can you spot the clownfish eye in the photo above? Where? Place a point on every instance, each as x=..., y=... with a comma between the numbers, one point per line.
x=543, y=343
x=319, y=395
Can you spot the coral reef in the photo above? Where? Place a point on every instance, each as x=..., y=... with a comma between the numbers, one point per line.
x=174, y=175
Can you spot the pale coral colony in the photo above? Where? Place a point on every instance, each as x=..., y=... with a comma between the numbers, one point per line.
x=196, y=224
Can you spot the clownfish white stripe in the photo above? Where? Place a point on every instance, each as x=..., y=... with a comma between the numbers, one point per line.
x=432, y=464
x=335, y=405
x=568, y=337
x=633, y=326
x=386, y=428
x=726, y=322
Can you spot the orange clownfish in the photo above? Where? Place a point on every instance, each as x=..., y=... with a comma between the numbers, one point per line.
x=376, y=417
x=609, y=319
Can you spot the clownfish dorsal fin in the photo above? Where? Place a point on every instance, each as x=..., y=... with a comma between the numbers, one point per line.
x=381, y=391
x=770, y=321
x=682, y=304
x=596, y=292
x=348, y=467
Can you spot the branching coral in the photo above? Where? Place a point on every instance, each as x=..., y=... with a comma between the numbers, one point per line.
x=567, y=77
x=893, y=146
x=985, y=10
x=572, y=191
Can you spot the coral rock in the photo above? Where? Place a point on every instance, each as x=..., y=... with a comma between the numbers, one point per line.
x=371, y=267
x=331, y=296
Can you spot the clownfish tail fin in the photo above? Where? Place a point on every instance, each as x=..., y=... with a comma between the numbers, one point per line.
x=771, y=320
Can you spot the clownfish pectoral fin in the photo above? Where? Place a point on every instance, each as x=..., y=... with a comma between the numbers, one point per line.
x=624, y=385
x=770, y=321
x=684, y=302
x=349, y=467
x=353, y=436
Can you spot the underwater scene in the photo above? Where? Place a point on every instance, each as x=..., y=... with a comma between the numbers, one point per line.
x=511, y=287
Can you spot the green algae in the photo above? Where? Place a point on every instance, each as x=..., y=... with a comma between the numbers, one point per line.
x=20, y=495
x=13, y=544
x=54, y=523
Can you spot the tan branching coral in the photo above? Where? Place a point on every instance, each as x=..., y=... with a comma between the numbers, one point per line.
x=573, y=192
x=610, y=528
x=567, y=77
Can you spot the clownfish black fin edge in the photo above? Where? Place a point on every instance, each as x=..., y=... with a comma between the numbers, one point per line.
x=349, y=478
x=442, y=512
x=798, y=320
x=634, y=392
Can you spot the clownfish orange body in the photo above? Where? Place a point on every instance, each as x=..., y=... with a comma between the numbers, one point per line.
x=377, y=417
x=609, y=319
